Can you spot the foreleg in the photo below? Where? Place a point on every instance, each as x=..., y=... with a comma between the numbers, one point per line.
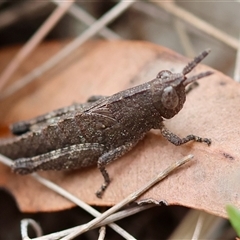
x=174, y=139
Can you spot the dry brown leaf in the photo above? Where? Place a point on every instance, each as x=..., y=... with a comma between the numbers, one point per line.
x=212, y=110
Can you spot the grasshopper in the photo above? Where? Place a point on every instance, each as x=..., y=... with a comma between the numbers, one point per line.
x=103, y=129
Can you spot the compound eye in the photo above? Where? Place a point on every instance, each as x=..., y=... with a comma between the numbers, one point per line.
x=169, y=98
x=164, y=74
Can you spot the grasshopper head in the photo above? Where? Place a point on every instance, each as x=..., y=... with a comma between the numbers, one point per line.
x=168, y=89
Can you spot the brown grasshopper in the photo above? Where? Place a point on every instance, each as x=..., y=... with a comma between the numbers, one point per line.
x=103, y=129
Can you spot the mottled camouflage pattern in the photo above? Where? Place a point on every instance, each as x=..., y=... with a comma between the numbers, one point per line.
x=101, y=130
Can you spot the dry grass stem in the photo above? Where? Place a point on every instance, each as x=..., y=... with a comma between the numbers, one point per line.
x=112, y=218
x=82, y=38
x=236, y=76
x=130, y=198
x=24, y=228
x=85, y=17
x=183, y=36
x=79, y=203
x=70, y=197
x=198, y=23
x=112, y=210
x=22, y=10
x=102, y=233
x=34, y=41
x=198, y=227
x=184, y=39
x=5, y=160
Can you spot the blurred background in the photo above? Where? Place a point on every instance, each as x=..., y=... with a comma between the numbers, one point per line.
x=186, y=27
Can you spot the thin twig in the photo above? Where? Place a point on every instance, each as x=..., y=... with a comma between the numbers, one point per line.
x=5, y=160
x=80, y=203
x=198, y=227
x=78, y=230
x=236, y=75
x=88, y=33
x=24, y=228
x=19, y=11
x=125, y=213
x=34, y=41
x=198, y=23
x=85, y=17
x=70, y=197
x=183, y=35
x=184, y=38
x=129, y=199
x=102, y=233
x=109, y=220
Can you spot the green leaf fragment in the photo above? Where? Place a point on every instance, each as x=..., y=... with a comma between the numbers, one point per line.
x=234, y=218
